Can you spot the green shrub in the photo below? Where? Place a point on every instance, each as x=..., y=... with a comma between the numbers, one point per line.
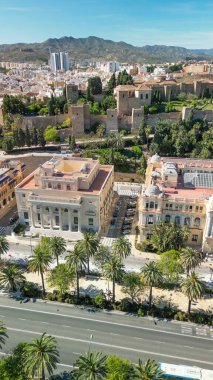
x=100, y=301
x=181, y=316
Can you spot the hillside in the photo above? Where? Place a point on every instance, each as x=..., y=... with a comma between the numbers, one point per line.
x=98, y=49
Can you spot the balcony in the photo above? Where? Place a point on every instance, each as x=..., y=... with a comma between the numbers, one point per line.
x=48, y=201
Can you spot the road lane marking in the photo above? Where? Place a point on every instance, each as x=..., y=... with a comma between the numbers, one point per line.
x=92, y=342
x=103, y=322
x=76, y=353
x=90, y=330
x=45, y=323
x=22, y=319
x=2, y=316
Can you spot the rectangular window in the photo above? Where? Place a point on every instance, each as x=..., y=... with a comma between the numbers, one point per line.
x=141, y=96
x=75, y=220
x=91, y=223
x=57, y=220
x=194, y=237
x=197, y=208
x=167, y=205
x=170, y=206
x=201, y=208
x=190, y=208
x=26, y=215
x=148, y=236
x=147, y=96
x=150, y=219
x=39, y=217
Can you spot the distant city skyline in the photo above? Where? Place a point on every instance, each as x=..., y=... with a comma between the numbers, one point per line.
x=186, y=23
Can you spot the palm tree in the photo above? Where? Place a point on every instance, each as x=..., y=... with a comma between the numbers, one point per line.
x=148, y=371
x=41, y=355
x=75, y=261
x=89, y=245
x=3, y=334
x=152, y=276
x=92, y=366
x=113, y=269
x=4, y=245
x=190, y=258
x=11, y=276
x=40, y=261
x=122, y=247
x=193, y=288
x=58, y=247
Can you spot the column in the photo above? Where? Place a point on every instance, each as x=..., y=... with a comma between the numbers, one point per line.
x=51, y=217
x=69, y=219
x=42, y=219
x=32, y=217
x=60, y=218
x=79, y=220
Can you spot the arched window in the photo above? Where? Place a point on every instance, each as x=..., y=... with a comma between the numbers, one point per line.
x=177, y=220
x=49, y=185
x=197, y=222
x=65, y=210
x=59, y=186
x=47, y=209
x=56, y=209
x=151, y=205
x=167, y=218
x=187, y=221
x=68, y=187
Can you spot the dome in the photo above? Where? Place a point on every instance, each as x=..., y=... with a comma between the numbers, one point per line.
x=155, y=158
x=155, y=174
x=152, y=190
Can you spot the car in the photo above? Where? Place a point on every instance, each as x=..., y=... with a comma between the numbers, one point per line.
x=126, y=232
x=130, y=213
x=112, y=222
x=126, y=227
x=129, y=219
x=132, y=204
x=127, y=222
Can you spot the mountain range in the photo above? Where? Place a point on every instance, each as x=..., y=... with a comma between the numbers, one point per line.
x=95, y=48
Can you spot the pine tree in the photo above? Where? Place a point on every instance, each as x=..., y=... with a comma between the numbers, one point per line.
x=21, y=137
x=41, y=139
x=34, y=137
x=111, y=85
x=27, y=137
x=72, y=143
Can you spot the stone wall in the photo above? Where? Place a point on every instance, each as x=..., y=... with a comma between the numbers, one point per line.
x=197, y=114
x=41, y=121
x=100, y=119
x=153, y=119
x=112, y=120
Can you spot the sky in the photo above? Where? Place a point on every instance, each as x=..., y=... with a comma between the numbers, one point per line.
x=187, y=23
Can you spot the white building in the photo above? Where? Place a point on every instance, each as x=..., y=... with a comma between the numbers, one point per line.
x=59, y=61
x=66, y=196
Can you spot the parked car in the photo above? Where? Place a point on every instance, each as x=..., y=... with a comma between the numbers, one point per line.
x=130, y=212
x=126, y=232
x=126, y=227
x=129, y=219
x=127, y=223
x=132, y=204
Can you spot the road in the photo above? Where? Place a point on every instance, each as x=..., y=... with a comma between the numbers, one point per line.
x=77, y=330
x=132, y=263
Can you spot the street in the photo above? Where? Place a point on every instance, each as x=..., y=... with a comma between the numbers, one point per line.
x=132, y=263
x=79, y=329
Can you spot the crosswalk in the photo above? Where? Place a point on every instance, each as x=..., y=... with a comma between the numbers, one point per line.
x=199, y=331
x=107, y=241
x=186, y=330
